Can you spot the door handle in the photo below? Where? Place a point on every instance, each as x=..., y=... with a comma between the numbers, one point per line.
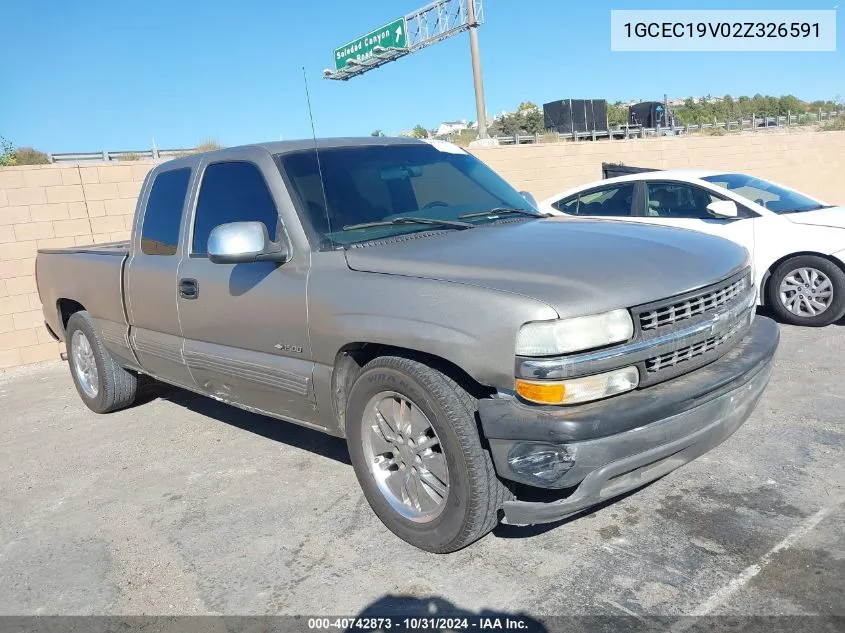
x=189, y=288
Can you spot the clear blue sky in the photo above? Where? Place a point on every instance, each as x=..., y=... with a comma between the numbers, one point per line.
x=95, y=74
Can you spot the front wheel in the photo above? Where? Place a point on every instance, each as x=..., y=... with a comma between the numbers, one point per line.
x=415, y=447
x=807, y=290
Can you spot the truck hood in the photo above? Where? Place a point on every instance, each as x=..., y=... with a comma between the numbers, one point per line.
x=833, y=217
x=577, y=267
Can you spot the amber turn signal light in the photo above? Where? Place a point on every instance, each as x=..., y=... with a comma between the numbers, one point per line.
x=546, y=393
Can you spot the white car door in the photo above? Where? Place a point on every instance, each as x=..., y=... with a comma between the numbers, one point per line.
x=613, y=200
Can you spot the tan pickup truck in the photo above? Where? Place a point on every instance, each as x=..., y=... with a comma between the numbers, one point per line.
x=400, y=294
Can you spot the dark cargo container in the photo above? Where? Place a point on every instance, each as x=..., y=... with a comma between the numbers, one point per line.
x=575, y=115
x=649, y=114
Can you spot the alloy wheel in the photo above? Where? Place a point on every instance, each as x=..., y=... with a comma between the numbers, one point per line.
x=405, y=457
x=806, y=292
x=84, y=363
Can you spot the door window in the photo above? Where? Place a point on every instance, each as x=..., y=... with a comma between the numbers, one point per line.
x=163, y=215
x=232, y=192
x=614, y=201
x=678, y=200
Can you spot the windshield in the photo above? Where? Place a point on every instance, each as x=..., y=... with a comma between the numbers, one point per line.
x=765, y=193
x=377, y=184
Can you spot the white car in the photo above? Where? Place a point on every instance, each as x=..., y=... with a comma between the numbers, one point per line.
x=797, y=242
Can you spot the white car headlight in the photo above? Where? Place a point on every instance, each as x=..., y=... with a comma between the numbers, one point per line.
x=550, y=338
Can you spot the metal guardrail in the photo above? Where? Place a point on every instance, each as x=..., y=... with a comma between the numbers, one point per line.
x=123, y=155
x=752, y=124
x=743, y=125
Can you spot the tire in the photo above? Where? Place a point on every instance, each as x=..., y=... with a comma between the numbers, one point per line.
x=112, y=387
x=470, y=507
x=822, y=269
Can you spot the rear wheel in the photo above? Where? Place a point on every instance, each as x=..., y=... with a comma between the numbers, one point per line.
x=807, y=290
x=417, y=454
x=103, y=385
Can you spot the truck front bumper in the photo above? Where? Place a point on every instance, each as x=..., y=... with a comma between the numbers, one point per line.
x=606, y=448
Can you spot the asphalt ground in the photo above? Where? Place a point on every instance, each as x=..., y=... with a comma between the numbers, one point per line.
x=184, y=506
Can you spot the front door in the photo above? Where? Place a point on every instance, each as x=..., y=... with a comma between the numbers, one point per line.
x=684, y=205
x=245, y=325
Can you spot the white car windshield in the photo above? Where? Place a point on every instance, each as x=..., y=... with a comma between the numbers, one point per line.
x=766, y=194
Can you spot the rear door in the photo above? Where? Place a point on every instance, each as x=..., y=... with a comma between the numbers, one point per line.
x=246, y=325
x=606, y=201
x=150, y=278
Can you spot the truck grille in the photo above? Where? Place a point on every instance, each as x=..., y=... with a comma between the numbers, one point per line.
x=674, y=336
x=670, y=359
x=721, y=314
x=692, y=306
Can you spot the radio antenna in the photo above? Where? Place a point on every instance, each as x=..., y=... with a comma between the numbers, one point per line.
x=317, y=154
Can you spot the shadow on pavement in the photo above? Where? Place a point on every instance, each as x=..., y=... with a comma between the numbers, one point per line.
x=504, y=530
x=421, y=612
x=276, y=430
x=767, y=312
x=335, y=448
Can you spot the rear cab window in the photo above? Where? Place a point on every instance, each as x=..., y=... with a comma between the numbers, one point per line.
x=163, y=214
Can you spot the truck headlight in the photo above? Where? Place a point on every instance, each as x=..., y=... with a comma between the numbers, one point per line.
x=561, y=336
x=577, y=390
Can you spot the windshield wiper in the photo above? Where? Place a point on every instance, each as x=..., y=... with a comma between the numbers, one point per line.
x=452, y=224
x=500, y=211
x=816, y=208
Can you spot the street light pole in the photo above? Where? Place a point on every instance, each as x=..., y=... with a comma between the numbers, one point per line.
x=480, y=110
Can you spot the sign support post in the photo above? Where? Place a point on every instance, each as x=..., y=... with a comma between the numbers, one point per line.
x=480, y=110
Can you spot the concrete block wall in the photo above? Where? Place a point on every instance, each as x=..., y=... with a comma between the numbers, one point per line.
x=72, y=205
x=811, y=162
x=49, y=206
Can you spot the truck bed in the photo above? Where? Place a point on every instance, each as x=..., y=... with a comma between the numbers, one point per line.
x=109, y=248
x=91, y=276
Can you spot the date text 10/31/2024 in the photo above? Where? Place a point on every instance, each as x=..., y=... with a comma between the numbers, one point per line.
x=477, y=623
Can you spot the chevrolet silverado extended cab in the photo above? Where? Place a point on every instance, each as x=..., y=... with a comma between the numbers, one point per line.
x=400, y=294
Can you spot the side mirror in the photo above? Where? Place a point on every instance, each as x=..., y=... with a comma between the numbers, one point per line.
x=241, y=242
x=529, y=198
x=723, y=209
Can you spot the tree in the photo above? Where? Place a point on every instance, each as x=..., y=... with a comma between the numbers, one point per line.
x=377, y=133
x=7, y=153
x=744, y=107
x=617, y=114
x=209, y=145
x=31, y=156
x=534, y=123
x=419, y=131
x=512, y=124
x=527, y=106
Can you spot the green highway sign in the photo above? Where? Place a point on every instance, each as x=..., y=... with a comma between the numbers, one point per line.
x=392, y=35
